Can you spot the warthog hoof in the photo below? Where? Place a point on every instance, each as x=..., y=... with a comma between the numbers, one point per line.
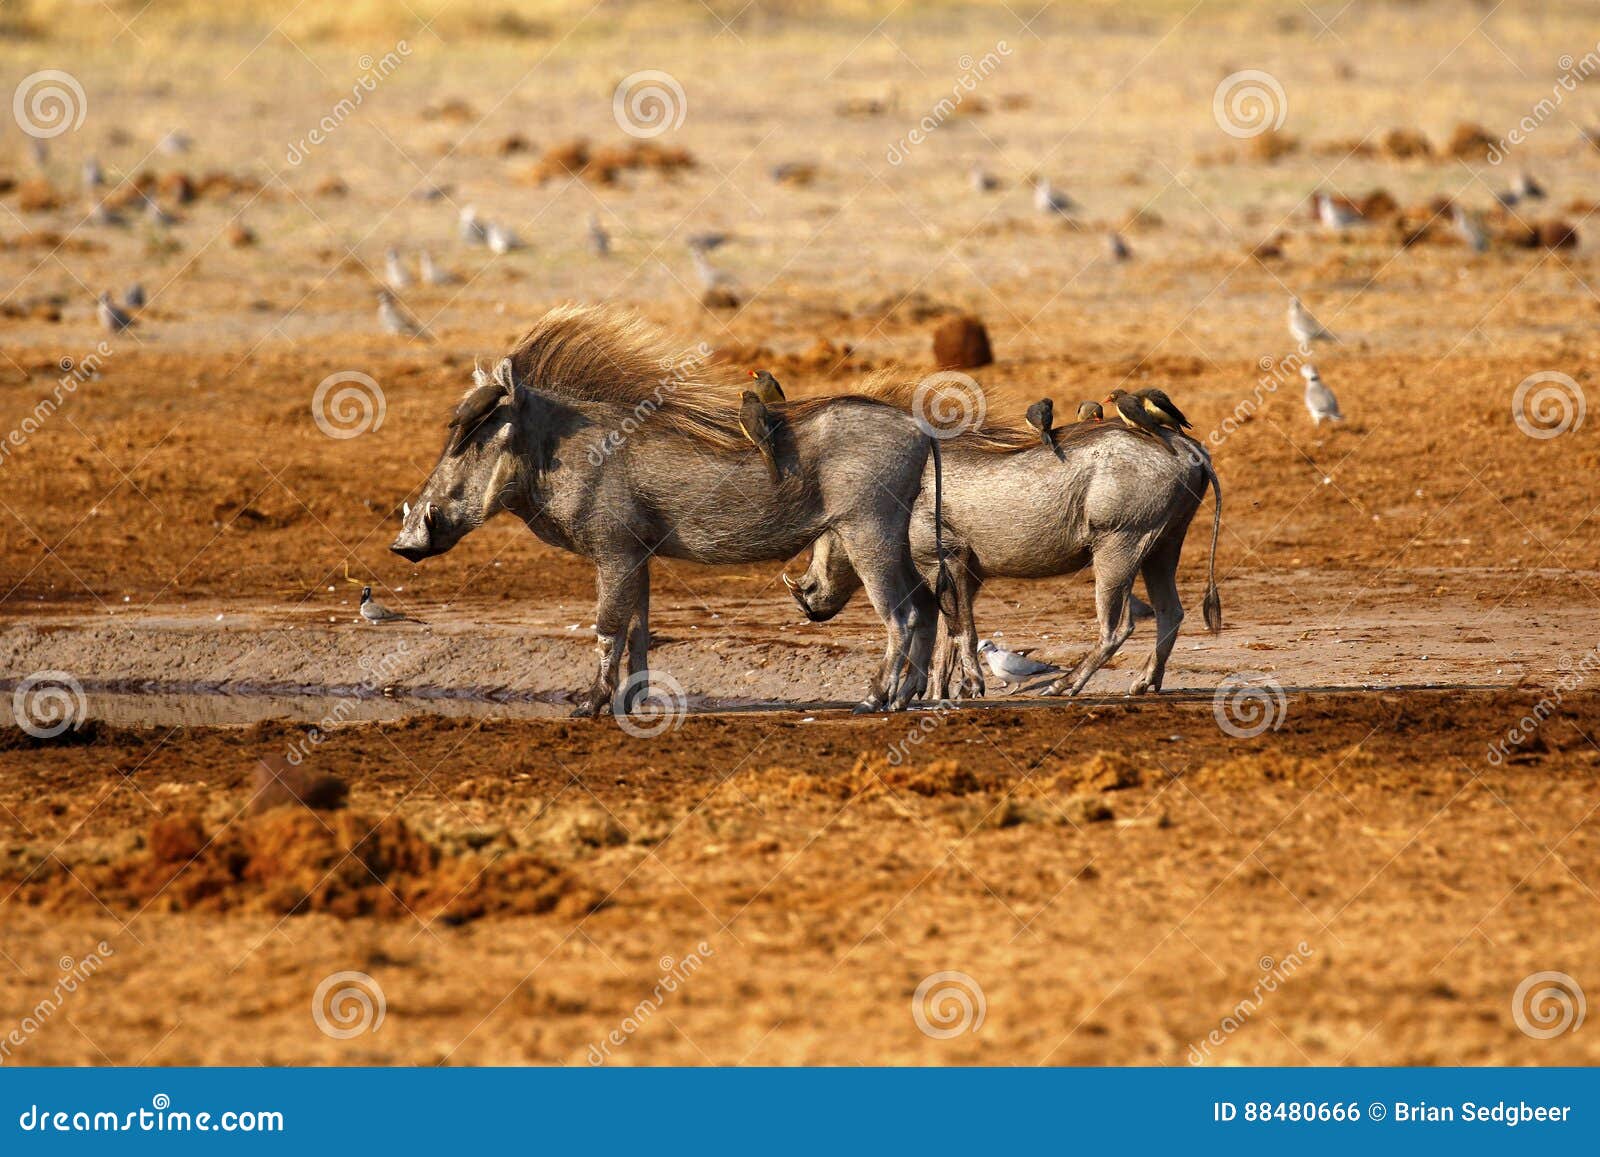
x=591, y=706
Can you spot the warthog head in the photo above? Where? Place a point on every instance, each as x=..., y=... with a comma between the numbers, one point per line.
x=828, y=582
x=469, y=484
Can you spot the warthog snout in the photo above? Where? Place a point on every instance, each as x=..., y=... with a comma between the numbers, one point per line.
x=804, y=591
x=415, y=541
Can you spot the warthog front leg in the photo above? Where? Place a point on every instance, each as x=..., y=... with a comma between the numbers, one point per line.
x=620, y=589
x=637, y=687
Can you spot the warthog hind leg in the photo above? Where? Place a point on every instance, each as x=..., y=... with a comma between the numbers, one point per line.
x=620, y=588
x=1161, y=584
x=1113, y=584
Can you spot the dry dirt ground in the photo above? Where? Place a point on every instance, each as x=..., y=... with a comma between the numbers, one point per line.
x=1115, y=880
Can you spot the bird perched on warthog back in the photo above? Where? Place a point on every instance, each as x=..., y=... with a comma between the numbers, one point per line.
x=1040, y=415
x=1090, y=412
x=1136, y=415
x=760, y=425
x=1162, y=409
x=767, y=388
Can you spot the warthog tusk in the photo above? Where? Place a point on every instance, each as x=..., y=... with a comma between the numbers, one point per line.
x=428, y=515
x=405, y=511
x=790, y=583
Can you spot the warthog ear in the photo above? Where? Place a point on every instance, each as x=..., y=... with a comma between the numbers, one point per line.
x=472, y=410
x=505, y=376
x=479, y=377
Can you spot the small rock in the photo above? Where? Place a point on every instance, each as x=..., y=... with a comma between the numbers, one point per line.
x=961, y=343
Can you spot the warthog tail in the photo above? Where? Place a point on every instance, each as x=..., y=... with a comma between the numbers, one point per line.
x=1213, y=601
x=943, y=587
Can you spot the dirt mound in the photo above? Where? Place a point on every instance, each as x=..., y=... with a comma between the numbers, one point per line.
x=602, y=165
x=289, y=862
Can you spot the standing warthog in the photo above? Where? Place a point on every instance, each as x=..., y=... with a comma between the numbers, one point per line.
x=542, y=437
x=1015, y=509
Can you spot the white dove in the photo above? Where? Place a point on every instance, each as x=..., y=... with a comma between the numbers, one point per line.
x=469, y=227
x=433, y=274
x=1320, y=402
x=1304, y=328
x=1047, y=199
x=394, y=270
x=1012, y=667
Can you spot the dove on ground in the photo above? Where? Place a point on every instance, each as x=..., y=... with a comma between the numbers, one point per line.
x=134, y=298
x=111, y=318
x=1320, y=402
x=1336, y=215
x=599, y=240
x=394, y=270
x=982, y=180
x=1012, y=667
x=155, y=214
x=433, y=274
x=1527, y=188
x=1469, y=229
x=710, y=276
x=706, y=242
x=394, y=319
x=469, y=227
x=173, y=144
x=500, y=241
x=92, y=177
x=375, y=612
x=1049, y=200
x=1117, y=247
x=1304, y=328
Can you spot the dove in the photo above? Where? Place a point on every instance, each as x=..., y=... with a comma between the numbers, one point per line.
x=1527, y=188
x=1047, y=199
x=1163, y=409
x=112, y=318
x=39, y=151
x=1040, y=415
x=375, y=612
x=1304, y=328
x=1091, y=412
x=155, y=214
x=982, y=180
x=394, y=270
x=500, y=241
x=134, y=298
x=599, y=239
x=1012, y=668
x=767, y=388
x=431, y=273
x=706, y=242
x=470, y=228
x=1320, y=402
x=1469, y=229
x=760, y=425
x=1117, y=247
x=394, y=319
x=92, y=177
x=1336, y=215
x=710, y=276
x=174, y=143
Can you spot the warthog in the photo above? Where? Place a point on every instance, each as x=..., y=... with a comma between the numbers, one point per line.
x=543, y=437
x=1013, y=508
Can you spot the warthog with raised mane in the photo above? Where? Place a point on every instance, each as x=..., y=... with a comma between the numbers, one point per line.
x=1013, y=508
x=542, y=437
